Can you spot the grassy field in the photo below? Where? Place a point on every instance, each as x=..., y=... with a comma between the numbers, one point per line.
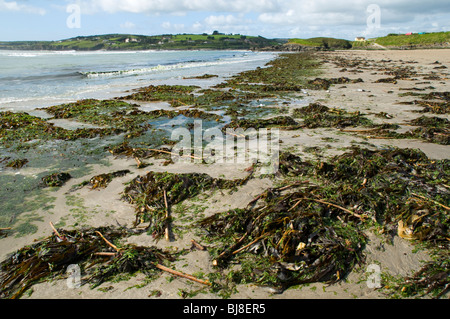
x=216, y=40
x=402, y=40
x=327, y=43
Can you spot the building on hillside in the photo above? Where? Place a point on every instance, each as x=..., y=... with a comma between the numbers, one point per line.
x=360, y=39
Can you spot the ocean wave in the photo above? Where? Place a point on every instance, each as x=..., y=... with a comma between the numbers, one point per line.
x=162, y=68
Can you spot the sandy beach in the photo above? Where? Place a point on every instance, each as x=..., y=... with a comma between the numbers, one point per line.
x=104, y=207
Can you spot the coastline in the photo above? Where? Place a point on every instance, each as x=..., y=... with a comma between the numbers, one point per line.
x=104, y=207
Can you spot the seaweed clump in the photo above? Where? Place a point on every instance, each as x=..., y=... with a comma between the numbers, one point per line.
x=17, y=163
x=55, y=179
x=102, y=180
x=285, y=74
x=177, y=95
x=315, y=232
x=22, y=127
x=96, y=256
x=282, y=122
x=317, y=115
x=430, y=129
x=433, y=102
x=432, y=279
x=153, y=195
x=291, y=239
x=324, y=84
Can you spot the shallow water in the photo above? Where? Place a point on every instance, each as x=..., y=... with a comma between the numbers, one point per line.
x=31, y=79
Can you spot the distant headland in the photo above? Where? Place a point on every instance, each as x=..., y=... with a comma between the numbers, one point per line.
x=221, y=41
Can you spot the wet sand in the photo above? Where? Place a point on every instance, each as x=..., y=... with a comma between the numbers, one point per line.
x=104, y=207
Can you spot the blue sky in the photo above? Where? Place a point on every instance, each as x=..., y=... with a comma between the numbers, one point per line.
x=47, y=19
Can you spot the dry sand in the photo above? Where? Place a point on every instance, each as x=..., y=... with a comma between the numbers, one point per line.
x=104, y=207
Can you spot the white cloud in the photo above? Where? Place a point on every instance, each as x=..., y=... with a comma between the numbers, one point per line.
x=222, y=20
x=226, y=23
x=350, y=12
x=173, y=27
x=13, y=6
x=128, y=25
x=177, y=6
x=278, y=17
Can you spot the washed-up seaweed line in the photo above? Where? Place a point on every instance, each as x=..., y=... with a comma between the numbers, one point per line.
x=50, y=258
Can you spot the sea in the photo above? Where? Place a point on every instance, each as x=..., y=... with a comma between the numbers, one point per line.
x=37, y=79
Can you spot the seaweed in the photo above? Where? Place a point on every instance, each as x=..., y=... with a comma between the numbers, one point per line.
x=102, y=180
x=17, y=163
x=154, y=193
x=88, y=248
x=22, y=127
x=177, y=95
x=387, y=80
x=139, y=153
x=324, y=84
x=204, y=76
x=287, y=73
x=317, y=115
x=433, y=102
x=55, y=179
x=315, y=233
x=431, y=129
x=282, y=122
x=432, y=279
x=290, y=240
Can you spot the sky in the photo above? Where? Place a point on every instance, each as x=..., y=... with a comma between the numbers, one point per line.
x=22, y=20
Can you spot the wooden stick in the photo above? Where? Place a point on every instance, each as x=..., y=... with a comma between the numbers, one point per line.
x=200, y=247
x=331, y=204
x=109, y=243
x=295, y=205
x=431, y=200
x=216, y=261
x=7, y=228
x=56, y=232
x=248, y=245
x=167, y=235
x=292, y=185
x=180, y=274
x=105, y=254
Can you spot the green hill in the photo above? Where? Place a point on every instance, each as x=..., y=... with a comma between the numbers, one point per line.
x=215, y=41
x=415, y=40
x=323, y=43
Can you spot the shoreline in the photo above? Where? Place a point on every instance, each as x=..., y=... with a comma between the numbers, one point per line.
x=370, y=98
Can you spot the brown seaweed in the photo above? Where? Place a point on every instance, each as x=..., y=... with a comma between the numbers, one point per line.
x=313, y=232
x=317, y=115
x=55, y=179
x=324, y=84
x=91, y=249
x=102, y=180
x=17, y=163
x=282, y=122
x=154, y=193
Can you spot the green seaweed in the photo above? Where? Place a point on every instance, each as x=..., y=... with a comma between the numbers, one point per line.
x=317, y=115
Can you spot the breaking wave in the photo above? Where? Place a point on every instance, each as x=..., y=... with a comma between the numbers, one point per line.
x=162, y=68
